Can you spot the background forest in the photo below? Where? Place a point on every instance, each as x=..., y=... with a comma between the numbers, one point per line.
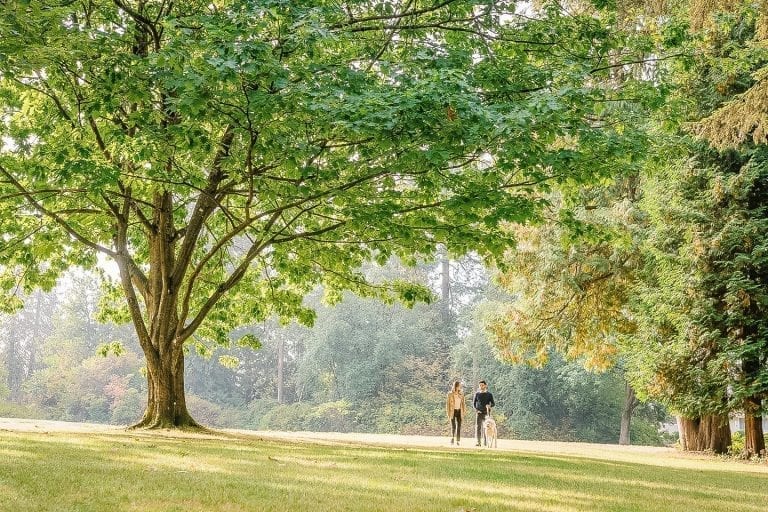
x=365, y=367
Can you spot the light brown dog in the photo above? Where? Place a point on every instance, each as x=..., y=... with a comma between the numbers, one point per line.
x=491, y=432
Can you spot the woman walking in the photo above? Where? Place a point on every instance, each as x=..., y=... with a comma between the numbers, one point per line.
x=455, y=408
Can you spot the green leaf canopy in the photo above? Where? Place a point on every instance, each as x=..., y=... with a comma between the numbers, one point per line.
x=230, y=155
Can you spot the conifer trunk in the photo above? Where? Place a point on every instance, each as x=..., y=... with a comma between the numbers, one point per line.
x=708, y=433
x=14, y=366
x=445, y=284
x=754, y=440
x=280, y=362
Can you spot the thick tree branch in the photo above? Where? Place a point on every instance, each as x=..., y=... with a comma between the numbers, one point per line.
x=142, y=20
x=222, y=289
x=121, y=217
x=135, y=206
x=206, y=203
x=99, y=139
x=126, y=278
x=307, y=234
x=131, y=277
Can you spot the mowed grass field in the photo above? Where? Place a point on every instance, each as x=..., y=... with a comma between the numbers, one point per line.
x=49, y=466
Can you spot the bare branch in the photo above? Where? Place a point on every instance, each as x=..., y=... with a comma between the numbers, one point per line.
x=389, y=38
x=444, y=25
x=637, y=61
x=10, y=244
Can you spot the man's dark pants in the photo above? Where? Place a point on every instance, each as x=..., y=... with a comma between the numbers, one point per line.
x=479, y=426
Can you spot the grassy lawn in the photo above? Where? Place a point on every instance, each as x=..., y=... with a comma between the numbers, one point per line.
x=124, y=471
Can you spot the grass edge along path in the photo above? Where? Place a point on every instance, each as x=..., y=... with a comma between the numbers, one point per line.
x=47, y=466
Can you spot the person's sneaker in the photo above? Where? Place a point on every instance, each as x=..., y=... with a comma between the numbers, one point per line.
x=478, y=444
x=451, y=440
x=457, y=442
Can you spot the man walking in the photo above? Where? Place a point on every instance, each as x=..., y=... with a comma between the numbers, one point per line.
x=482, y=402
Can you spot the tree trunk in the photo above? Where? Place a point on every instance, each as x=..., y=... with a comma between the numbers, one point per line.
x=630, y=403
x=708, y=433
x=14, y=366
x=166, y=401
x=445, y=284
x=280, y=358
x=754, y=442
x=37, y=338
x=444, y=338
x=159, y=327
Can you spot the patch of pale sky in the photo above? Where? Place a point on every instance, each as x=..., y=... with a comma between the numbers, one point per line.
x=108, y=266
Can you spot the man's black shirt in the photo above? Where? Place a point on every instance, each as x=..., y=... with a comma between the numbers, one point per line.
x=483, y=398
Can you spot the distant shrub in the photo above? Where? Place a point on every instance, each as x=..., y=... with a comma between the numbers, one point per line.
x=407, y=417
x=739, y=442
x=14, y=410
x=204, y=412
x=330, y=417
x=670, y=438
x=531, y=426
x=255, y=411
x=129, y=407
x=290, y=417
x=324, y=417
x=646, y=433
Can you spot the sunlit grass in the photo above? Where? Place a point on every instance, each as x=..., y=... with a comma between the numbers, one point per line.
x=125, y=471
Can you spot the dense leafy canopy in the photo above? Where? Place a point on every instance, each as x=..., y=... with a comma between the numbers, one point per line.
x=276, y=145
x=702, y=343
x=231, y=156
